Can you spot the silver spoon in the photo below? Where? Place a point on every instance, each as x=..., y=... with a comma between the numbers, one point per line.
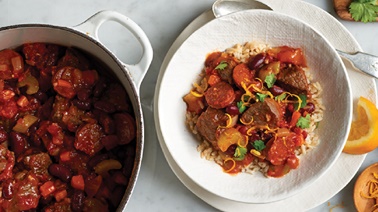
x=364, y=62
x=224, y=7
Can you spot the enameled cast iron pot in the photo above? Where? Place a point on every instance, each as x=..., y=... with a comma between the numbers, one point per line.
x=85, y=37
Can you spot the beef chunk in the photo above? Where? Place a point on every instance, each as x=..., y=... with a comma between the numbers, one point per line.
x=293, y=79
x=38, y=164
x=261, y=115
x=208, y=123
x=226, y=73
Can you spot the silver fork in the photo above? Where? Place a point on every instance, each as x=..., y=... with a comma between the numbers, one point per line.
x=365, y=62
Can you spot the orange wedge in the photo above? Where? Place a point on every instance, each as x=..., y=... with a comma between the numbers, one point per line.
x=363, y=135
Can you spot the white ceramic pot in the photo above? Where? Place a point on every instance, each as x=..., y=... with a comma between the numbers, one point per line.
x=85, y=37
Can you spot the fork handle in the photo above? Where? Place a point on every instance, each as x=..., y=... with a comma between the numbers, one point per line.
x=366, y=63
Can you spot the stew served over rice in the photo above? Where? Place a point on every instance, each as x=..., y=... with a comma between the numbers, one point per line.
x=255, y=108
x=67, y=132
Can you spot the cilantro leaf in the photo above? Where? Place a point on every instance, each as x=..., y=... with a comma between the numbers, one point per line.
x=221, y=66
x=363, y=10
x=304, y=102
x=280, y=97
x=261, y=96
x=270, y=80
x=240, y=153
x=259, y=145
x=304, y=122
x=241, y=107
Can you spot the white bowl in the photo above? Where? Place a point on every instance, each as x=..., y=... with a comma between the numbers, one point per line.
x=274, y=29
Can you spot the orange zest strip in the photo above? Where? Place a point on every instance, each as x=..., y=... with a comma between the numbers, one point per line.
x=196, y=94
x=246, y=123
x=292, y=95
x=229, y=121
x=243, y=142
x=233, y=164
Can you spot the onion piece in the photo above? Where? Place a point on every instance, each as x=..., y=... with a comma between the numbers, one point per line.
x=283, y=132
x=274, y=107
x=17, y=64
x=229, y=137
x=23, y=124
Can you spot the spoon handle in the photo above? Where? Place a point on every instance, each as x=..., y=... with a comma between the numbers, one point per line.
x=366, y=63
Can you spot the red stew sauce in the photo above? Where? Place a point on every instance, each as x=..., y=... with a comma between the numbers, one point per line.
x=254, y=110
x=67, y=132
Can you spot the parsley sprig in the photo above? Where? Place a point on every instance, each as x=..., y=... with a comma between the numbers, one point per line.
x=364, y=10
x=240, y=153
x=221, y=66
x=259, y=145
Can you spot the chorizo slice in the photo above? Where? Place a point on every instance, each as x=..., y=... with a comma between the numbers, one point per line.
x=220, y=95
x=242, y=73
x=88, y=138
x=67, y=81
x=125, y=127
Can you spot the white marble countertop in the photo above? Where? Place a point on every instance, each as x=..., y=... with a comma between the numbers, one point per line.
x=158, y=189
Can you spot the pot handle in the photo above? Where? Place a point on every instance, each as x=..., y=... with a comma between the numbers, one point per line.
x=92, y=25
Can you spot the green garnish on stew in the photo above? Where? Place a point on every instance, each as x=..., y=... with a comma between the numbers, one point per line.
x=261, y=96
x=270, y=80
x=221, y=66
x=304, y=122
x=259, y=145
x=241, y=107
x=303, y=98
x=240, y=153
x=280, y=97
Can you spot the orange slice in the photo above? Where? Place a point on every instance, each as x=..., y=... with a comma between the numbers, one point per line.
x=363, y=135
